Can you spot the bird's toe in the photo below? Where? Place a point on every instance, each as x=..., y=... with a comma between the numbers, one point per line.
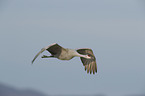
x=44, y=56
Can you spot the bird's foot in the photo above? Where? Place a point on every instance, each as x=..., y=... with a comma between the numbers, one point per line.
x=44, y=56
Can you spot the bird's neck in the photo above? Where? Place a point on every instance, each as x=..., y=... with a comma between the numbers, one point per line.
x=80, y=55
x=74, y=53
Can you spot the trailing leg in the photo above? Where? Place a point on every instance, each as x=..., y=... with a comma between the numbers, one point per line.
x=44, y=56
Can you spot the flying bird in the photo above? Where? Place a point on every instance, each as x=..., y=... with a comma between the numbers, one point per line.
x=86, y=55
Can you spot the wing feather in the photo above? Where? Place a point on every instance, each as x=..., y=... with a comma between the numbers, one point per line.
x=86, y=66
x=91, y=68
x=90, y=64
x=42, y=50
x=88, y=69
x=53, y=49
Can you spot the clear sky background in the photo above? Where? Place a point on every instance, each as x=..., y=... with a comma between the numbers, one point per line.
x=115, y=30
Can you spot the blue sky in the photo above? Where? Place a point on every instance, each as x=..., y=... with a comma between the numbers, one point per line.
x=115, y=30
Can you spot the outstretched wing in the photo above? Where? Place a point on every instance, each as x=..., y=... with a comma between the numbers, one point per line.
x=53, y=49
x=90, y=64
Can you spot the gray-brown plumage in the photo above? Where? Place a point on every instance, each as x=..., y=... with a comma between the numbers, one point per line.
x=87, y=57
x=90, y=64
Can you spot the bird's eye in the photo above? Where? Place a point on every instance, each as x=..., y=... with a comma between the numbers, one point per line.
x=89, y=55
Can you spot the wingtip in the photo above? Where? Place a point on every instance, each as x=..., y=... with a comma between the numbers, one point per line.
x=53, y=43
x=94, y=72
x=32, y=62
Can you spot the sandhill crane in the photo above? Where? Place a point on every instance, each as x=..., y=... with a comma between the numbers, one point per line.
x=86, y=55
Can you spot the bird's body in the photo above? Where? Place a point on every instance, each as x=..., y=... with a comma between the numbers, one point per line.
x=69, y=54
x=87, y=57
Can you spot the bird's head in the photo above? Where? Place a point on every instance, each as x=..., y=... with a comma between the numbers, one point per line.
x=89, y=56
